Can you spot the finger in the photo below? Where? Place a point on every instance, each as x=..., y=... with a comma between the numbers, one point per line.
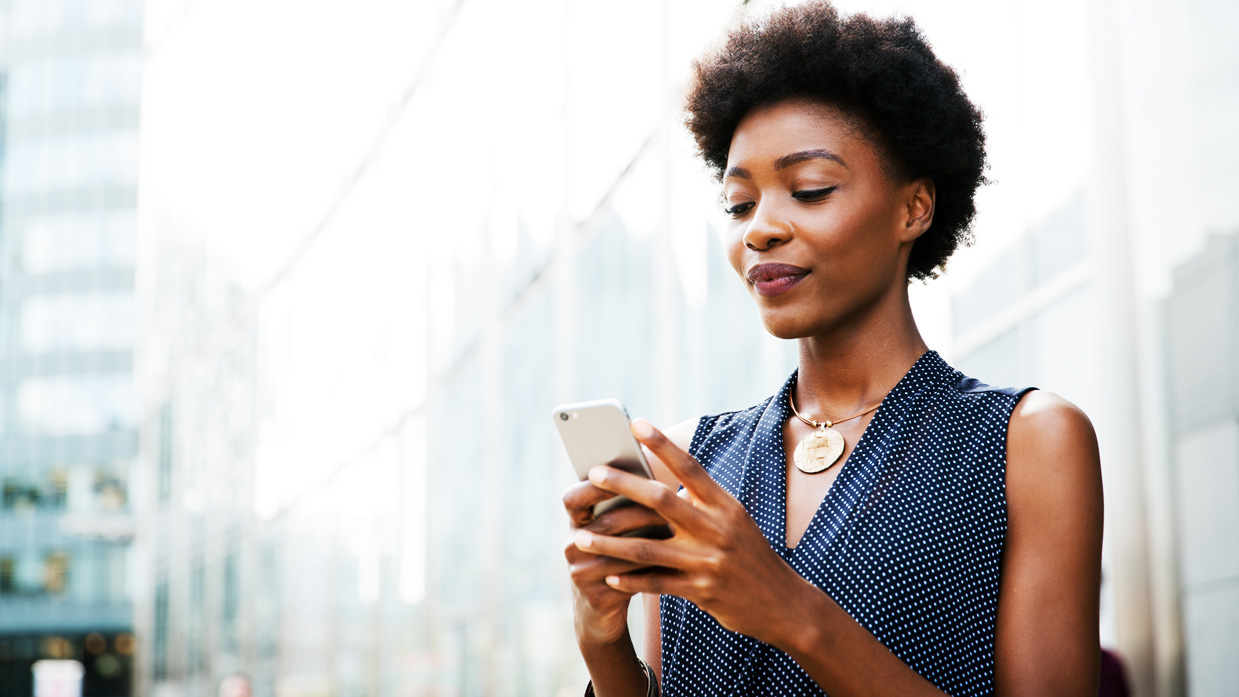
x=658, y=581
x=575, y=554
x=650, y=493
x=591, y=568
x=618, y=521
x=580, y=499
x=640, y=550
x=685, y=467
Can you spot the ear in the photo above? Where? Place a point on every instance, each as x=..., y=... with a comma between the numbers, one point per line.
x=919, y=203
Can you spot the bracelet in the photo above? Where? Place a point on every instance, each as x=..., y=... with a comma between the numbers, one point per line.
x=652, y=680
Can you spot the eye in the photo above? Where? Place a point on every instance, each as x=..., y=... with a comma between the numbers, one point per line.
x=813, y=194
x=739, y=209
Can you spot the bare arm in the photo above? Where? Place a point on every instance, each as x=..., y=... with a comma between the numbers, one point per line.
x=1046, y=640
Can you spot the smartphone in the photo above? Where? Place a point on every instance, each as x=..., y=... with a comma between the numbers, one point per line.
x=598, y=433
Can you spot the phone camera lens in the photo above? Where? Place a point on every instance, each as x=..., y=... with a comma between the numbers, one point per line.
x=563, y=416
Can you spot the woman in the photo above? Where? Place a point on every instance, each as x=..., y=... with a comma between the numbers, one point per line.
x=882, y=524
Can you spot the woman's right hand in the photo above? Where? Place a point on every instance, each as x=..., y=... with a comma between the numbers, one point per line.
x=601, y=612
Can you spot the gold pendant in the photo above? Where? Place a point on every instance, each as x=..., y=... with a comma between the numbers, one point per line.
x=818, y=451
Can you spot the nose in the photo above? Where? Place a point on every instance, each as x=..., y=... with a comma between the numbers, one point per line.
x=766, y=229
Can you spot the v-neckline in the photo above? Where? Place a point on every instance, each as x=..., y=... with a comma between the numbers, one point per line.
x=847, y=469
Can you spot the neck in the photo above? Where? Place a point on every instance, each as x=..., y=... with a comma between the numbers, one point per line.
x=852, y=367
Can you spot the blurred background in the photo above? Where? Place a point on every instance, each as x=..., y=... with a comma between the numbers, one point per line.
x=288, y=289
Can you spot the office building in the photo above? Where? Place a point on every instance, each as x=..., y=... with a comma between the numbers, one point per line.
x=369, y=270
x=1202, y=331
x=70, y=89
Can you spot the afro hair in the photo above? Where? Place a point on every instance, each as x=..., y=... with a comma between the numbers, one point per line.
x=881, y=72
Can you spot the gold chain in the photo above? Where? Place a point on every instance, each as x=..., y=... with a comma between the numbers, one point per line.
x=819, y=424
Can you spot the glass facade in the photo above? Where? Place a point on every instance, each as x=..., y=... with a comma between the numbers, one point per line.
x=1116, y=297
x=378, y=242
x=353, y=483
x=69, y=105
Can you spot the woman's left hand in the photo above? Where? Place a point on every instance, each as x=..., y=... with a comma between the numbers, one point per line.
x=717, y=558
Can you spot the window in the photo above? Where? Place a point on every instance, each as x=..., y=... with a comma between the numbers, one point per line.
x=58, y=16
x=110, y=492
x=160, y=632
x=195, y=626
x=8, y=572
x=57, y=490
x=68, y=161
x=4, y=114
x=55, y=572
x=165, y=453
x=76, y=404
x=68, y=241
x=28, y=494
x=31, y=573
x=232, y=602
x=20, y=494
x=79, y=322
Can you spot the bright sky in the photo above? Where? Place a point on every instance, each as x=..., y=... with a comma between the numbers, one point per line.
x=262, y=123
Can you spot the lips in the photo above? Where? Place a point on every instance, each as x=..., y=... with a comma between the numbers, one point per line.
x=775, y=279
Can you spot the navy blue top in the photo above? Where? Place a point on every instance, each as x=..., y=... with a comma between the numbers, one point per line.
x=907, y=540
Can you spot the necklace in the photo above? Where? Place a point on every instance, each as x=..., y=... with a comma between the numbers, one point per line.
x=820, y=450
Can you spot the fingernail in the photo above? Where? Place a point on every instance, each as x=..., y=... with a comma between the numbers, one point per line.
x=613, y=581
x=584, y=539
x=642, y=428
x=598, y=474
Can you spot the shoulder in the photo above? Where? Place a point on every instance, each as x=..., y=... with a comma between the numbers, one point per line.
x=1052, y=459
x=1044, y=424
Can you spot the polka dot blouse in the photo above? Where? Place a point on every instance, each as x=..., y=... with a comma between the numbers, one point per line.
x=907, y=541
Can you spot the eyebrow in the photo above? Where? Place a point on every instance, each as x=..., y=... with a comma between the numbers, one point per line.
x=789, y=160
x=798, y=157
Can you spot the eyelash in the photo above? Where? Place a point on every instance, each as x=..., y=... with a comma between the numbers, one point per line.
x=810, y=195
x=813, y=194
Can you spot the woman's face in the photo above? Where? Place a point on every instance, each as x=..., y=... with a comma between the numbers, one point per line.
x=818, y=231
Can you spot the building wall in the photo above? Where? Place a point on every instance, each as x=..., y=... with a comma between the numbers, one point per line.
x=1202, y=317
x=1109, y=329
x=353, y=484
x=68, y=410
x=369, y=268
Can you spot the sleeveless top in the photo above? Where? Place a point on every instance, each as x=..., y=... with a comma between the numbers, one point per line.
x=907, y=540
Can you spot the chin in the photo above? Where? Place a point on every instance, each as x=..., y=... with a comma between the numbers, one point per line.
x=786, y=328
